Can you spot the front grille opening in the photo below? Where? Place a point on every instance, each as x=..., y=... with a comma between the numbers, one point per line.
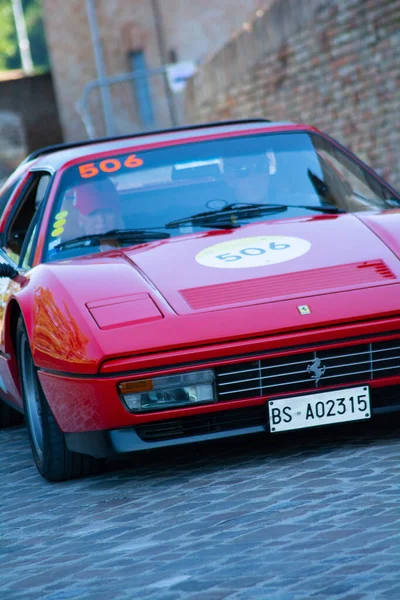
x=227, y=420
x=299, y=371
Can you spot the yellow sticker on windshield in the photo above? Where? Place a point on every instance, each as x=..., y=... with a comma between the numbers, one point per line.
x=57, y=232
x=59, y=222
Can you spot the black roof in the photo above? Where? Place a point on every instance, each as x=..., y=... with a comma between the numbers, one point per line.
x=56, y=147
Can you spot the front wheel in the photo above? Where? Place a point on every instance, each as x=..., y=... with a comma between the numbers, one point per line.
x=52, y=458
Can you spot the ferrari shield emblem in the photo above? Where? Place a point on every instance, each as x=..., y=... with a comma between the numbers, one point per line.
x=304, y=309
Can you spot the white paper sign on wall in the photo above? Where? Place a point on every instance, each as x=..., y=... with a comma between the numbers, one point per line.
x=178, y=73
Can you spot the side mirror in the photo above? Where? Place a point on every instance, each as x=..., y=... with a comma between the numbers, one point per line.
x=7, y=270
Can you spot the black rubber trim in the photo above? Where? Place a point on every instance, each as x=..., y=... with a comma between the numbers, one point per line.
x=58, y=147
x=105, y=444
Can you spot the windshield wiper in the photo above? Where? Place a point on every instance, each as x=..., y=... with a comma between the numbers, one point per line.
x=225, y=217
x=134, y=235
x=220, y=217
x=323, y=208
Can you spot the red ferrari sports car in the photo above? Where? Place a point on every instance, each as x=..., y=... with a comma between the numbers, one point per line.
x=184, y=285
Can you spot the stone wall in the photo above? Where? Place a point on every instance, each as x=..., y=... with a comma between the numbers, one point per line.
x=29, y=110
x=192, y=30
x=334, y=64
x=13, y=142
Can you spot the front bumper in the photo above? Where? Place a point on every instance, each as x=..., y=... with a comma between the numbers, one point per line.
x=103, y=444
x=199, y=428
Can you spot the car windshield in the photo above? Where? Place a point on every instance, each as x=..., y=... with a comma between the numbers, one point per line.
x=149, y=195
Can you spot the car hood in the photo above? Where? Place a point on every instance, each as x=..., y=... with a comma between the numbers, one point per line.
x=277, y=278
x=266, y=262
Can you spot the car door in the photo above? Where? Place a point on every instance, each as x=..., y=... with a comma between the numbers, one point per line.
x=17, y=248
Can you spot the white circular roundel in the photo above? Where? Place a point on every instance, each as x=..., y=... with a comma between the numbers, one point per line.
x=259, y=251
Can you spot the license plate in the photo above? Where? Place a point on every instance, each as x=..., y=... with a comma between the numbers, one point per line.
x=322, y=408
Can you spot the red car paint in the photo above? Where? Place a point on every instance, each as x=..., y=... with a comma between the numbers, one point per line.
x=85, y=338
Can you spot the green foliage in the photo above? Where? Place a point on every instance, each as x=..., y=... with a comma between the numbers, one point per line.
x=34, y=24
x=8, y=36
x=9, y=51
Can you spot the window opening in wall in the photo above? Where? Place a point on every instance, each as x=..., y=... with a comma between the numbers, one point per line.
x=142, y=89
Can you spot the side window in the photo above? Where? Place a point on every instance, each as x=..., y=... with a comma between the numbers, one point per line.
x=6, y=192
x=356, y=187
x=27, y=254
x=21, y=234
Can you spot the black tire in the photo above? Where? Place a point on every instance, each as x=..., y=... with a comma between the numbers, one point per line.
x=9, y=416
x=52, y=458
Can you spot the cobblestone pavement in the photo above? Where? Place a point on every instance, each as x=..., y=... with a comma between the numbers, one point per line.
x=309, y=516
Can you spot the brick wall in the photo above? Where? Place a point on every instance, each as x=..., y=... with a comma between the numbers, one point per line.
x=334, y=64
